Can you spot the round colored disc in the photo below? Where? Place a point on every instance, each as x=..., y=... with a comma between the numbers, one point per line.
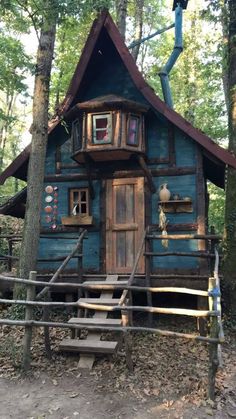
x=49, y=198
x=48, y=209
x=49, y=189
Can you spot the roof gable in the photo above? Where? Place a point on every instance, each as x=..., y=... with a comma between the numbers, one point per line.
x=102, y=28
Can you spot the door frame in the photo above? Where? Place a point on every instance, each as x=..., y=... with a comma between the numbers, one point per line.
x=139, y=205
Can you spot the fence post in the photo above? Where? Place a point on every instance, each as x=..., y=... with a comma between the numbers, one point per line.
x=213, y=347
x=26, y=358
x=46, y=318
x=9, y=262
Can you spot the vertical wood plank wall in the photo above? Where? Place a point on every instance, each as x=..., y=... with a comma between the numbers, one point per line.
x=180, y=152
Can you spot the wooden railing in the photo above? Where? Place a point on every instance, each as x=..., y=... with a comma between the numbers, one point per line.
x=215, y=338
x=9, y=258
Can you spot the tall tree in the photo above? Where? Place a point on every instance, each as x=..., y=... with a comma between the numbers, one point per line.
x=139, y=12
x=230, y=211
x=121, y=16
x=39, y=131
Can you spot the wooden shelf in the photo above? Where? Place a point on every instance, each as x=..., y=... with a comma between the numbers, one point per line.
x=77, y=220
x=177, y=206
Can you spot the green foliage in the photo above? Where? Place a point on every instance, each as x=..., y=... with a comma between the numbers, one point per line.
x=216, y=208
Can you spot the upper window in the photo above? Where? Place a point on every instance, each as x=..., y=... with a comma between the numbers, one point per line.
x=76, y=135
x=133, y=130
x=102, y=129
x=79, y=201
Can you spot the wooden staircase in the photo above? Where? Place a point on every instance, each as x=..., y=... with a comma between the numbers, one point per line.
x=92, y=344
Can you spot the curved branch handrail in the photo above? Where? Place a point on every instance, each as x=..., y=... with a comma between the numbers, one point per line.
x=45, y=290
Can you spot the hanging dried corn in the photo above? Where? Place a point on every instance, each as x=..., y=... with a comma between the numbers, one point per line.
x=163, y=225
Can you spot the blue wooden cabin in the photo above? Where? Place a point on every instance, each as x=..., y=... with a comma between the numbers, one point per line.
x=112, y=145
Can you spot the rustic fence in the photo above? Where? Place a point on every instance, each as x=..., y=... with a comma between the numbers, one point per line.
x=215, y=338
x=213, y=314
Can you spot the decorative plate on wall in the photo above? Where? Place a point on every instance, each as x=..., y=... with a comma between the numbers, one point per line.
x=49, y=198
x=49, y=189
x=48, y=219
x=48, y=209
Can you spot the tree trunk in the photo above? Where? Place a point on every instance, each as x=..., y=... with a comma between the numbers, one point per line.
x=138, y=26
x=225, y=77
x=230, y=211
x=121, y=14
x=39, y=131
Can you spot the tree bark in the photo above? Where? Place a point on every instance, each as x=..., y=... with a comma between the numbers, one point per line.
x=230, y=211
x=39, y=131
x=139, y=4
x=121, y=14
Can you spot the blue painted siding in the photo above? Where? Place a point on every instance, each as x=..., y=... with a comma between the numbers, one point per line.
x=53, y=248
x=49, y=248
x=115, y=79
x=157, y=138
x=172, y=262
x=185, y=149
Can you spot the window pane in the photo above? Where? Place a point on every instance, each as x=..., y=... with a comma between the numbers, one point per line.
x=75, y=197
x=79, y=201
x=102, y=123
x=84, y=208
x=102, y=136
x=83, y=196
x=133, y=131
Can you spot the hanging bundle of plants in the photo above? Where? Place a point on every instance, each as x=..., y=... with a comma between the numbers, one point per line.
x=163, y=226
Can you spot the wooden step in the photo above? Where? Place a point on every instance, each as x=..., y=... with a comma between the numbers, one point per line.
x=88, y=346
x=93, y=321
x=120, y=283
x=100, y=301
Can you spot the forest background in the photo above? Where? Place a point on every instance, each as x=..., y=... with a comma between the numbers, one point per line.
x=203, y=85
x=197, y=80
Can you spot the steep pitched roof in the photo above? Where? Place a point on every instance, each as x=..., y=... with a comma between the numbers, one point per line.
x=213, y=151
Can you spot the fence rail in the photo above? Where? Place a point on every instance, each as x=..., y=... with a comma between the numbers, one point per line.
x=215, y=338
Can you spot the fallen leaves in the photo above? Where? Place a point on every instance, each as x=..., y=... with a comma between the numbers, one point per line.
x=165, y=369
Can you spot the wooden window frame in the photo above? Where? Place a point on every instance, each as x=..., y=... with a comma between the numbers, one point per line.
x=80, y=202
x=76, y=135
x=94, y=118
x=138, y=137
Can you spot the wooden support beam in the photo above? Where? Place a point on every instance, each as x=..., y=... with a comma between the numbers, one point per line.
x=87, y=161
x=213, y=347
x=147, y=173
x=117, y=174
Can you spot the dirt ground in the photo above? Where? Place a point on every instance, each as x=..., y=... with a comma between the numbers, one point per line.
x=169, y=380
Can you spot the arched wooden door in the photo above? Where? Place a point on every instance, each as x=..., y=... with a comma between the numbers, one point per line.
x=124, y=223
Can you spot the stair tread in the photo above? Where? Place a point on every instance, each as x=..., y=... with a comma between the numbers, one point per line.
x=105, y=282
x=85, y=346
x=90, y=321
x=100, y=301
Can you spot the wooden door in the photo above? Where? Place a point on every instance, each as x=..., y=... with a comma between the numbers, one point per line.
x=124, y=224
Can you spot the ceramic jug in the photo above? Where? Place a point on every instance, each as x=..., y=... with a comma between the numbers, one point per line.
x=164, y=193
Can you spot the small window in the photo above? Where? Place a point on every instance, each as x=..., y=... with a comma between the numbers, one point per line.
x=133, y=129
x=76, y=135
x=79, y=202
x=102, y=129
